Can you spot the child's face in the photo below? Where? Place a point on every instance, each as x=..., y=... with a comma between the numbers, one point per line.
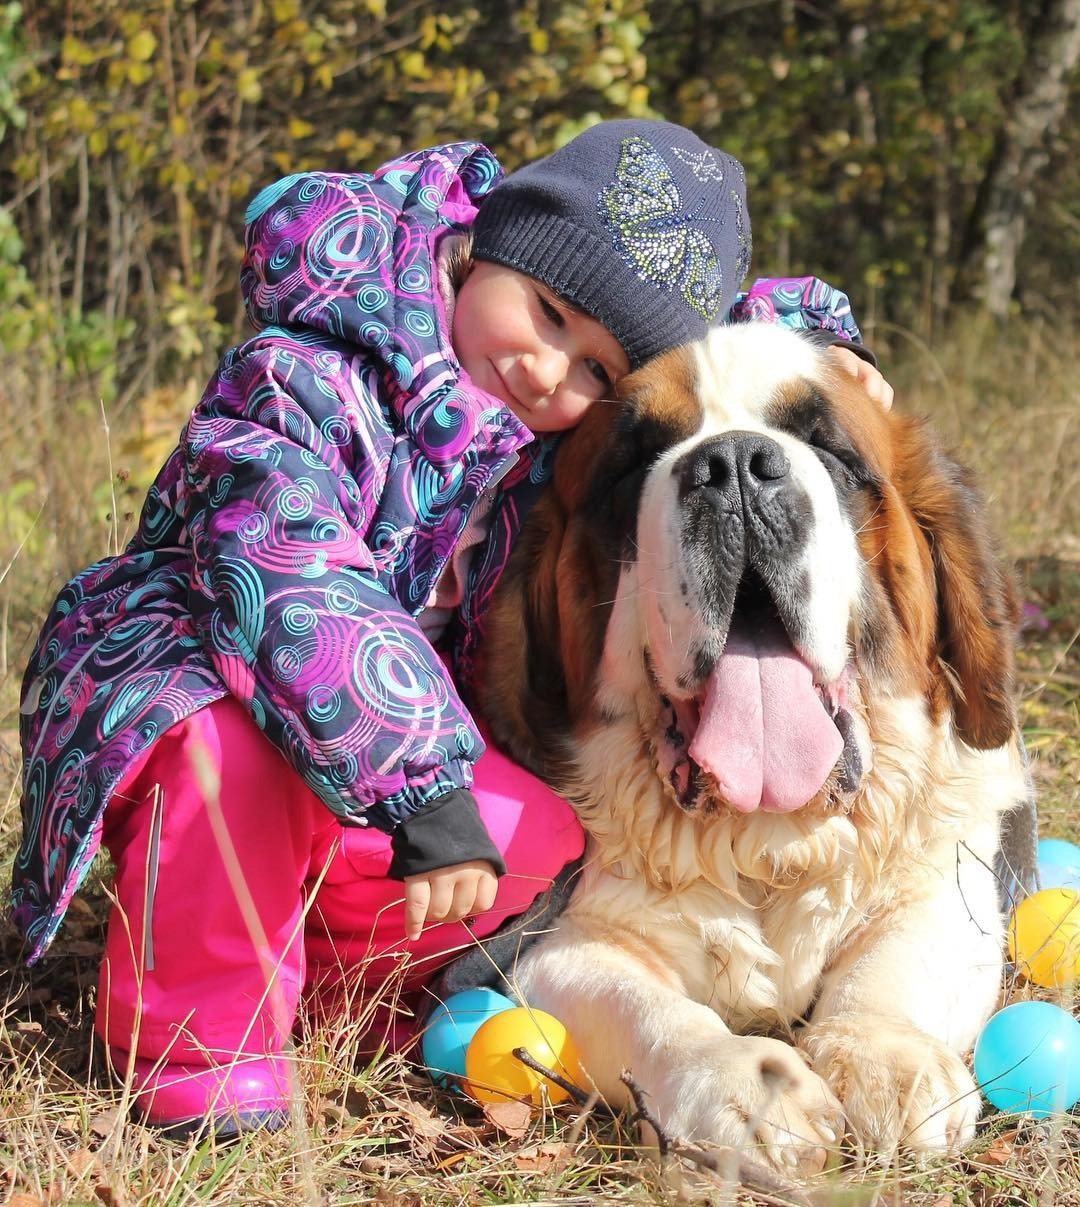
x=516, y=339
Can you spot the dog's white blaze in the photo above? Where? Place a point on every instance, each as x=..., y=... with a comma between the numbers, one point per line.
x=740, y=368
x=825, y=601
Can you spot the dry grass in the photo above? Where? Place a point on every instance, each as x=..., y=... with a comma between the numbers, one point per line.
x=376, y=1132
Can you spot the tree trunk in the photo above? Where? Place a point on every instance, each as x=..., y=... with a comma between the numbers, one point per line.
x=996, y=224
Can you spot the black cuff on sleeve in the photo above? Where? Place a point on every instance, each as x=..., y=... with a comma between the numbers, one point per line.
x=446, y=832
x=826, y=339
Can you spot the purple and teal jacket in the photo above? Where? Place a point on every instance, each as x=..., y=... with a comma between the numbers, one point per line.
x=287, y=546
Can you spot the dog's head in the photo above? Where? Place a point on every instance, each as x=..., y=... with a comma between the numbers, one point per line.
x=742, y=562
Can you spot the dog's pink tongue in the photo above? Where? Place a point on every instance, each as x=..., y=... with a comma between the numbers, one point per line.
x=764, y=734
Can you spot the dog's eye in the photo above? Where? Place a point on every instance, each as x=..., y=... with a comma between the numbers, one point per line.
x=617, y=489
x=615, y=496
x=843, y=463
x=812, y=421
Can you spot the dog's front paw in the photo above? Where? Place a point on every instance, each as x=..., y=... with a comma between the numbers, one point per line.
x=751, y=1094
x=900, y=1087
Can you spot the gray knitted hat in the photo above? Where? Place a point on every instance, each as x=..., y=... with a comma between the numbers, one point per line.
x=639, y=223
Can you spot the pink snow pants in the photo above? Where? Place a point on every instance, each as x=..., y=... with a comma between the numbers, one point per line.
x=235, y=898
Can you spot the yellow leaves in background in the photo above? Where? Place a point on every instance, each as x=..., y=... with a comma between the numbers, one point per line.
x=142, y=46
x=298, y=128
x=413, y=65
x=192, y=320
x=81, y=115
x=358, y=148
x=590, y=45
x=74, y=52
x=161, y=413
x=467, y=83
x=249, y=86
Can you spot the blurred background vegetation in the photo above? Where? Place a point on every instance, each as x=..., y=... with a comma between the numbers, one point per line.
x=913, y=152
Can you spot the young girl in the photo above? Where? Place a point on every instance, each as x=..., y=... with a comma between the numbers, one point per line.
x=247, y=706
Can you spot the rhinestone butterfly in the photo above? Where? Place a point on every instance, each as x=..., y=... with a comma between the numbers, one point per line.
x=644, y=209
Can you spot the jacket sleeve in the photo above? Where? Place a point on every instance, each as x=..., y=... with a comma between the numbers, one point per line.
x=807, y=304
x=291, y=600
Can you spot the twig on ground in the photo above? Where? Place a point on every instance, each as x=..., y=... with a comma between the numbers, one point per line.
x=530, y=1062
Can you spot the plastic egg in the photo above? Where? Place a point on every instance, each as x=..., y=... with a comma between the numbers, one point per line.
x=1059, y=864
x=1059, y=850
x=493, y=1073
x=1044, y=937
x=451, y=1027
x=1027, y=1059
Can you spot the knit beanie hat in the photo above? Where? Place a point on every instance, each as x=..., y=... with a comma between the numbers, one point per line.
x=638, y=223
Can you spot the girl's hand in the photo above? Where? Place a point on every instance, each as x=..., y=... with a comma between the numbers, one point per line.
x=868, y=376
x=448, y=894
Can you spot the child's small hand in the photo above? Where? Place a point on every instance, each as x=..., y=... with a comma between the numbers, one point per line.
x=448, y=894
x=867, y=374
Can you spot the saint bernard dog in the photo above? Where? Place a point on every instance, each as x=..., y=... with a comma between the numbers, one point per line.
x=756, y=632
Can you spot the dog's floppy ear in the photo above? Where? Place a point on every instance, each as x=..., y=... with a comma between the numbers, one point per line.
x=978, y=610
x=520, y=686
x=545, y=627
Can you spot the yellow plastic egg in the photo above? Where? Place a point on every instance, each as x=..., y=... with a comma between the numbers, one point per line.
x=493, y=1073
x=1044, y=937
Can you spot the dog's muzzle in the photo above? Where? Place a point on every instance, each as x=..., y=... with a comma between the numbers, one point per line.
x=767, y=730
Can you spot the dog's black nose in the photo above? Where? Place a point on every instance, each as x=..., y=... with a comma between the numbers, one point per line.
x=736, y=464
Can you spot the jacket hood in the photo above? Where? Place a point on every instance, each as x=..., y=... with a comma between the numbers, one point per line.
x=354, y=256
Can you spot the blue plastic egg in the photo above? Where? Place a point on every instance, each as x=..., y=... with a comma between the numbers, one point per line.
x=1027, y=1059
x=1059, y=864
x=451, y=1027
x=1059, y=850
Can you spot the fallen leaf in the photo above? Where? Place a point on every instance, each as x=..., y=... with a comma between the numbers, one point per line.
x=451, y=1160
x=111, y=1197
x=332, y=1113
x=81, y=919
x=104, y=1123
x=511, y=1118
x=393, y=1198
x=425, y=1129
x=542, y=1158
x=82, y=1162
x=999, y=1153
x=424, y=1121
x=25, y=1200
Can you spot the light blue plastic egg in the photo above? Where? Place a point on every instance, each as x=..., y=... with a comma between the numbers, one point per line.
x=1059, y=863
x=451, y=1027
x=1027, y=1059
